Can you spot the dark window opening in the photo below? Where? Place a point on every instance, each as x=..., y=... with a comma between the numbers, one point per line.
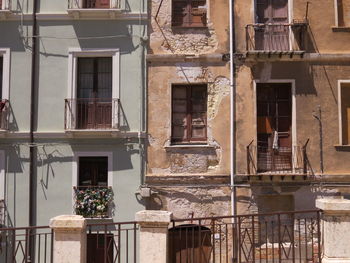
x=94, y=94
x=189, y=13
x=93, y=172
x=102, y=4
x=189, y=114
x=100, y=248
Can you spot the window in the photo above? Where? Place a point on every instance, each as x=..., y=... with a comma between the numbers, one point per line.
x=93, y=171
x=96, y=4
x=189, y=13
x=344, y=113
x=189, y=113
x=93, y=90
x=342, y=13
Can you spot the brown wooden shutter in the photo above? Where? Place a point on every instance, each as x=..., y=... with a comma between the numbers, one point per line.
x=189, y=113
x=189, y=13
x=198, y=112
x=102, y=4
x=179, y=114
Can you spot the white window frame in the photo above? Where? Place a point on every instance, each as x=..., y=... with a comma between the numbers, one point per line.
x=73, y=55
x=78, y=4
x=75, y=168
x=5, y=53
x=340, y=82
x=2, y=174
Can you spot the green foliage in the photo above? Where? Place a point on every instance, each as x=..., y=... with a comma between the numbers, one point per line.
x=93, y=201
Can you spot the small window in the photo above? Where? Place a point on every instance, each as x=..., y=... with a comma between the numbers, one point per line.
x=345, y=113
x=93, y=172
x=96, y=4
x=343, y=13
x=189, y=114
x=189, y=13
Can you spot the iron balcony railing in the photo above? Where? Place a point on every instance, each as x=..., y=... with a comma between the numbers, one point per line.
x=2, y=213
x=93, y=201
x=268, y=237
x=4, y=114
x=275, y=37
x=92, y=114
x=5, y=4
x=282, y=160
x=94, y=4
x=112, y=242
x=26, y=244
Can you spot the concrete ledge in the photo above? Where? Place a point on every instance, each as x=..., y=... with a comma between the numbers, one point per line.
x=68, y=223
x=153, y=216
x=335, y=260
x=336, y=205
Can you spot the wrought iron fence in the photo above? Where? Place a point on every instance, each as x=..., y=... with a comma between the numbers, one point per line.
x=275, y=37
x=4, y=114
x=112, y=242
x=94, y=4
x=92, y=114
x=26, y=244
x=270, y=237
x=283, y=160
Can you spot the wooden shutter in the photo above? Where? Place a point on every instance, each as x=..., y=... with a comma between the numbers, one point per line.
x=1, y=74
x=189, y=113
x=189, y=13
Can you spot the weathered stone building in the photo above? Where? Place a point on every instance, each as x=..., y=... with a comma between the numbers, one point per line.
x=189, y=107
x=292, y=102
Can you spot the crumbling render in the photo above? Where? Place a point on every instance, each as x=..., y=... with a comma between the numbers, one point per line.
x=179, y=41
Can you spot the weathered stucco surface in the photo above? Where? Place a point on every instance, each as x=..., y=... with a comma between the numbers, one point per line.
x=164, y=158
x=165, y=39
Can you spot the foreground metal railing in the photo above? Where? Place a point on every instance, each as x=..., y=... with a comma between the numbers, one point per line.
x=92, y=114
x=112, y=242
x=275, y=37
x=94, y=4
x=26, y=244
x=270, y=237
x=283, y=160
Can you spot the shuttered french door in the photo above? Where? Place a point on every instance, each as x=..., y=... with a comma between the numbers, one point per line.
x=94, y=96
x=189, y=13
x=274, y=124
x=273, y=33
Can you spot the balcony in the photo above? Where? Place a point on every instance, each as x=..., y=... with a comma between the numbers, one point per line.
x=276, y=39
x=94, y=8
x=280, y=161
x=92, y=115
x=93, y=201
x=5, y=8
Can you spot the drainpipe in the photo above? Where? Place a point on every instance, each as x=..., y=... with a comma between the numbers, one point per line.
x=232, y=106
x=318, y=117
x=32, y=152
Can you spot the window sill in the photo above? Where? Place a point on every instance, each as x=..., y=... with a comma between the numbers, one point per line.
x=78, y=13
x=186, y=146
x=341, y=29
x=189, y=27
x=342, y=146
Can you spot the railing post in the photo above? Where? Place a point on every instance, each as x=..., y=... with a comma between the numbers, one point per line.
x=336, y=229
x=69, y=239
x=153, y=235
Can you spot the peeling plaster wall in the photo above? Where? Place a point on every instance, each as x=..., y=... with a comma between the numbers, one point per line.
x=165, y=39
x=320, y=34
x=166, y=159
x=199, y=202
x=315, y=84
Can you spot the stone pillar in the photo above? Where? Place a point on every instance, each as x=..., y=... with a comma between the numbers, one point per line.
x=335, y=230
x=153, y=235
x=69, y=239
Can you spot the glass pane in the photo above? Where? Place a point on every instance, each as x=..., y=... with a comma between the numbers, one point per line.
x=85, y=77
x=104, y=78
